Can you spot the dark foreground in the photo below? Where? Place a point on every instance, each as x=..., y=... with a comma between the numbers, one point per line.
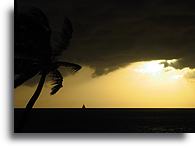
x=106, y=120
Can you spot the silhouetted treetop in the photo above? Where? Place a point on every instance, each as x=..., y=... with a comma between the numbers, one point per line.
x=33, y=34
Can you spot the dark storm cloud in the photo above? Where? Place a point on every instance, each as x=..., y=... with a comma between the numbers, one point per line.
x=111, y=34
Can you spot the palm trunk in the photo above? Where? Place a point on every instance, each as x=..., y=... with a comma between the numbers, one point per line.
x=35, y=96
x=30, y=104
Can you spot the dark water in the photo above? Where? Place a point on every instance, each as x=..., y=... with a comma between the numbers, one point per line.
x=107, y=120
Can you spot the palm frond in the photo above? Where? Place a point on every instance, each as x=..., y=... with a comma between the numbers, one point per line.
x=65, y=35
x=24, y=69
x=57, y=82
x=74, y=67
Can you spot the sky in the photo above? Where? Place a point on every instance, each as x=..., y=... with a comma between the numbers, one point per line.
x=137, y=53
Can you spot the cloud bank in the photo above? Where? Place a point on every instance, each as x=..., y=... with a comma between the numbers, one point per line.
x=111, y=34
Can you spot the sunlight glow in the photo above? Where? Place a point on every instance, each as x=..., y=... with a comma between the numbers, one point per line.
x=156, y=69
x=171, y=61
x=176, y=77
x=152, y=67
x=144, y=84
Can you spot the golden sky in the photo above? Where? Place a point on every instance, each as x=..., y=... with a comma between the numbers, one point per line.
x=146, y=84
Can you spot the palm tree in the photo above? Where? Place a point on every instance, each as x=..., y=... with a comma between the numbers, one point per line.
x=33, y=52
x=56, y=76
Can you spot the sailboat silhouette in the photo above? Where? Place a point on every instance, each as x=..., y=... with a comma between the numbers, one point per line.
x=83, y=107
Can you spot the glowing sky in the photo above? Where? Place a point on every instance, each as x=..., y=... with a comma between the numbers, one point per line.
x=122, y=47
x=140, y=84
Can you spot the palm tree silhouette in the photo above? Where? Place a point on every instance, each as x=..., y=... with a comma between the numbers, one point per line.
x=34, y=54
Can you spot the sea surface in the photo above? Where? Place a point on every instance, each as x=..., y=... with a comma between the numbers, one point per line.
x=105, y=120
